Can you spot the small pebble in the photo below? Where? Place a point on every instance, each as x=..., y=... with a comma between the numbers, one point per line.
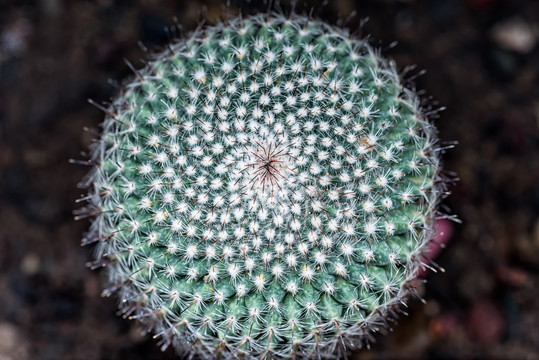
x=30, y=264
x=515, y=34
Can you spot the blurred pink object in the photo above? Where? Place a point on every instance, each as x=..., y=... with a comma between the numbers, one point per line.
x=443, y=231
x=486, y=323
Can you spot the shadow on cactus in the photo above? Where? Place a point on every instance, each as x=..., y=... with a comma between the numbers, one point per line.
x=265, y=188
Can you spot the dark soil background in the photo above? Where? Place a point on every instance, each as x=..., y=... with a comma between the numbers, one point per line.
x=482, y=62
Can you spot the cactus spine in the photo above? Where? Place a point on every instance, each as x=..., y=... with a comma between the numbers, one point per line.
x=264, y=189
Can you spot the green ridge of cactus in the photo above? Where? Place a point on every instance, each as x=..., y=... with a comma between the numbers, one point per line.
x=264, y=188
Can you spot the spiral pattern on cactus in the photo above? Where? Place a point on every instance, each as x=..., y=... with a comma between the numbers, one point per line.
x=264, y=189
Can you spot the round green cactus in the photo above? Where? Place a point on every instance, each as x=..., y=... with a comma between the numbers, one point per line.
x=264, y=189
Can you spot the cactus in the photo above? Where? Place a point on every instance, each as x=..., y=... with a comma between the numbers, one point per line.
x=264, y=188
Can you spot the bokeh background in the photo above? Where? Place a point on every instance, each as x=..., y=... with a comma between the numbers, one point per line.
x=482, y=62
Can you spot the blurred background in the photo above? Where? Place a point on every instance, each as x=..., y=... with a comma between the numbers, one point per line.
x=482, y=62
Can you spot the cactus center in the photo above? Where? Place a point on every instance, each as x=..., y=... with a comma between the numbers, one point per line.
x=267, y=168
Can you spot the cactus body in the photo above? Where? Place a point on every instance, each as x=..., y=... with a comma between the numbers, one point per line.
x=264, y=189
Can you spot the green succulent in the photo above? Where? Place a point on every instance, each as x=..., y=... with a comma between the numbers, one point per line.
x=264, y=188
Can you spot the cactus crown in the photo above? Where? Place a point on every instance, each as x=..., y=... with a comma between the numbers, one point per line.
x=264, y=188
